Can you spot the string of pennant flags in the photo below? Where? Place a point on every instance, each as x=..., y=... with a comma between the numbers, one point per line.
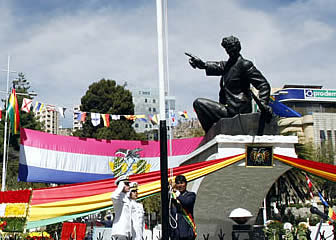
x=106, y=117
x=97, y=117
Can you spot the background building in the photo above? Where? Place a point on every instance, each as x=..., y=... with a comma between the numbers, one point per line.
x=49, y=118
x=318, y=109
x=146, y=101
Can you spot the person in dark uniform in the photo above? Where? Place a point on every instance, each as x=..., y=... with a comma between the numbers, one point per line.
x=182, y=225
x=236, y=76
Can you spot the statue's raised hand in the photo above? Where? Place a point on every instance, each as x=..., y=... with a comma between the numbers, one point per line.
x=195, y=62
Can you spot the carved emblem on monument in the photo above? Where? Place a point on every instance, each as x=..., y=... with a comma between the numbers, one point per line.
x=259, y=156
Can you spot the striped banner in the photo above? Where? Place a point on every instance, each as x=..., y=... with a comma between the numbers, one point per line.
x=53, y=158
x=323, y=170
x=51, y=205
x=57, y=204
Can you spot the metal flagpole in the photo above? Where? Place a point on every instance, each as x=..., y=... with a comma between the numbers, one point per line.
x=3, y=183
x=163, y=127
x=165, y=10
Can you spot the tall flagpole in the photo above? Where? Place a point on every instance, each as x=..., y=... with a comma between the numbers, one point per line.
x=3, y=183
x=165, y=9
x=163, y=126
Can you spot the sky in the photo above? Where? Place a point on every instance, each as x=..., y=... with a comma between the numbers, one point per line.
x=63, y=46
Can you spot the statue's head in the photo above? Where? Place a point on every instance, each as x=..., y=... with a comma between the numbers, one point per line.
x=231, y=45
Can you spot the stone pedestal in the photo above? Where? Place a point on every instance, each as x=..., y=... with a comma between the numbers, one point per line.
x=242, y=124
x=234, y=186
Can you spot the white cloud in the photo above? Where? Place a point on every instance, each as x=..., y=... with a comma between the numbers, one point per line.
x=63, y=54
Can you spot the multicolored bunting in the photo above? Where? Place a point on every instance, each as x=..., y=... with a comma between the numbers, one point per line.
x=141, y=117
x=106, y=119
x=130, y=117
x=26, y=104
x=115, y=117
x=13, y=112
x=154, y=118
x=78, y=115
x=95, y=119
x=183, y=114
x=83, y=117
x=38, y=107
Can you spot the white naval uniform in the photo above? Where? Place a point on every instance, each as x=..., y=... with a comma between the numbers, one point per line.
x=122, y=207
x=138, y=223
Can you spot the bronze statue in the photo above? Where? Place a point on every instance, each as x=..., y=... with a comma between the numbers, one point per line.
x=235, y=96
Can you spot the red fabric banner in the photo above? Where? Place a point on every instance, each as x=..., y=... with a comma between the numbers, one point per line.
x=74, y=230
x=20, y=196
x=79, y=190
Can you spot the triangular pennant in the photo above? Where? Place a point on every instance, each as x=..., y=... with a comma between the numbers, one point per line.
x=50, y=108
x=61, y=111
x=115, y=117
x=38, y=107
x=26, y=105
x=83, y=117
x=130, y=117
x=78, y=116
x=95, y=119
x=106, y=119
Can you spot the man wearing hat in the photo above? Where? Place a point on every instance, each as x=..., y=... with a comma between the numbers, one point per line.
x=182, y=225
x=121, y=228
x=137, y=213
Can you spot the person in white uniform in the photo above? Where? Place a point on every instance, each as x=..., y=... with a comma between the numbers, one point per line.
x=137, y=213
x=121, y=227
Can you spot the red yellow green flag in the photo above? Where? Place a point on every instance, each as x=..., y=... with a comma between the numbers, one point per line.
x=13, y=112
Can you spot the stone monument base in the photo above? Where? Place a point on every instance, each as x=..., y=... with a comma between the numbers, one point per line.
x=235, y=186
x=242, y=124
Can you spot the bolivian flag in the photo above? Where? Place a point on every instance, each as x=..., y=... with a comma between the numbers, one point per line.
x=13, y=112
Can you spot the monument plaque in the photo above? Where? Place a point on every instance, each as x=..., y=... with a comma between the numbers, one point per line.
x=259, y=156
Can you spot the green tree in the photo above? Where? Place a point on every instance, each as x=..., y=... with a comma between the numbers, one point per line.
x=107, y=97
x=27, y=120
